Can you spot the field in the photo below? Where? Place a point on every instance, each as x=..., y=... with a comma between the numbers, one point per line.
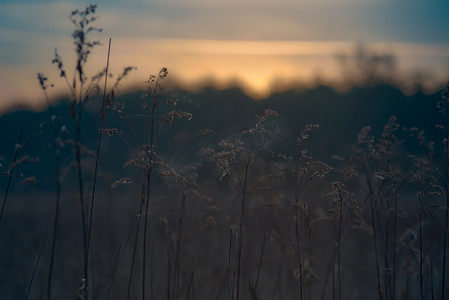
x=170, y=194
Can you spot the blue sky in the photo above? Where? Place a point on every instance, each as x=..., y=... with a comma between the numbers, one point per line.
x=30, y=30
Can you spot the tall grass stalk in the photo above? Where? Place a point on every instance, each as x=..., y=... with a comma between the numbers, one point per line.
x=296, y=174
x=297, y=222
x=148, y=173
x=431, y=280
x=381, y=183
x=446, y=219
x=260, y=260
x=97, y=158
x=231, y=291
x=443, y=108
x=133, y=260
x=340, y=221
x=119, y=259
x=420, y=236
x=58, y=144
x=55, y=224
x=81, y=89
x=11, y=173
x=114, y=271
x=374, y=227
x=243, y=186
x=177, y=266
x=36, y=265
x=395, y=230
x=154, y=86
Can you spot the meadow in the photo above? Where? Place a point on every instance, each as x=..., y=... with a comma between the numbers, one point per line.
x=169, y=194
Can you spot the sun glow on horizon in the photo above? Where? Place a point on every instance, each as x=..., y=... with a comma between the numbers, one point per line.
x=262, y=67
x=259, y=67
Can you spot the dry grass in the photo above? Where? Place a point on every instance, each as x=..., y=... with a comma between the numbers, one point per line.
x=204, y=223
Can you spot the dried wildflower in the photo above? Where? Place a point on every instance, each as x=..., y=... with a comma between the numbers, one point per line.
x=168, y=118
x=29, y=180
x=263, y=118
x=304, y=134
x=201, y=196
x=364, y=137
x=43, y=81
x=58, y=61
x=114, y=89
x=82, y=20
x=111, y=131
x=345, y=204
x=123, y=180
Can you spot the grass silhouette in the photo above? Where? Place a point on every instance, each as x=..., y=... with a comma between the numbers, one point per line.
x=194, y=213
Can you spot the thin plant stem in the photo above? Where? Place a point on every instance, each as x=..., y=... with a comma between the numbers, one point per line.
x=168, y=273
x=133, y=260
x=420, y=248
x=229, y=261
x=145, y=228
x=234, y=270
x=116, y=264
x=243, y=186
x=55, y=224
x=35, y=265
x=119, y=259
x=151, y=272
x=192, y=277
x=149, y=170
x=431, y=280
x=178, y=250
x=340, y=212
x=239, y=255
x=446, y=225
x=297, y=196
x=373, y=224
x=260, y=260
x=97, y=158
x=330, y=269
x=387, y=279
x=81, y=191
x=11, y=174
x=394, y=244
x=298, y=254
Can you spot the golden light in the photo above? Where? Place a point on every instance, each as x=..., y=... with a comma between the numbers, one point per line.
x=259, y=67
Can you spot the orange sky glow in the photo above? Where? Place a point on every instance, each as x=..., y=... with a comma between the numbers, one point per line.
x=260, y=67
x=262, y=46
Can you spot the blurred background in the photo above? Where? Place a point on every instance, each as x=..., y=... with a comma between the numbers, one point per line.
x=354, y=207
x=261, y=46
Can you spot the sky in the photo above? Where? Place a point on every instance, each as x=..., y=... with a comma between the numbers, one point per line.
x=262, y=44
